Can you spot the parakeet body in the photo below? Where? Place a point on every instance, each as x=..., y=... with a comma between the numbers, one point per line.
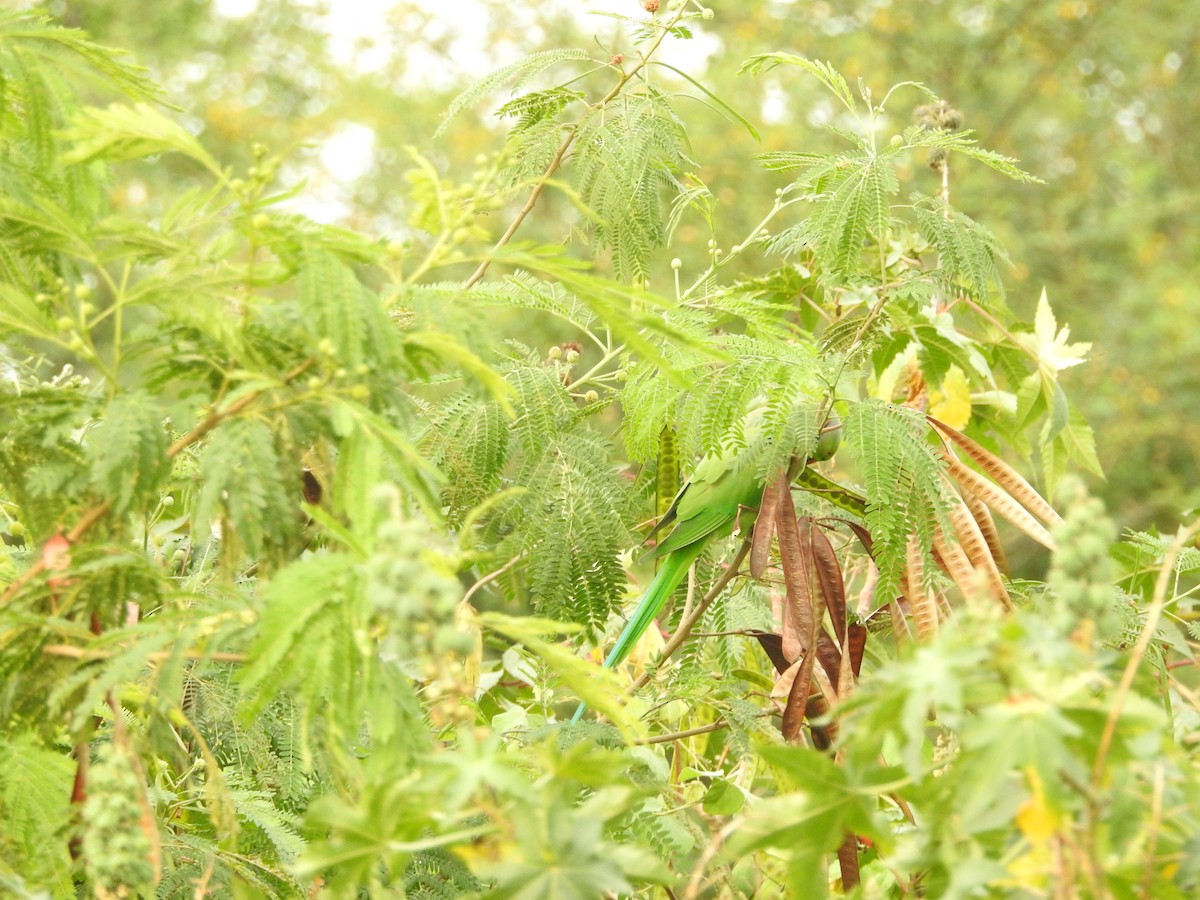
x=724, y=485
x=706, y=507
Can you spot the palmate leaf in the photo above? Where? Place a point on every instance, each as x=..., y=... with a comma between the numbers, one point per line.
x=940, y=348
x=128, y=450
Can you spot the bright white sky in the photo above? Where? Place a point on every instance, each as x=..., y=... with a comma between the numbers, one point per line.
x=362, y=37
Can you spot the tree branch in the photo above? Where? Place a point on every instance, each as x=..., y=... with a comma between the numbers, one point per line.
x=95, y=513
x=561, y=154
x=685, y=627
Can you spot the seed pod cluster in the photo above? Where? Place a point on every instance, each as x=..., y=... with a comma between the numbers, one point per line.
x=410, y=588
x=1081, y=575
x=115, y=847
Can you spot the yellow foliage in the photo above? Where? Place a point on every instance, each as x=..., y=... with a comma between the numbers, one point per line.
x=951, y=401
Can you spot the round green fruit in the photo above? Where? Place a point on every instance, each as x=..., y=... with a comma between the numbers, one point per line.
x=829, y=440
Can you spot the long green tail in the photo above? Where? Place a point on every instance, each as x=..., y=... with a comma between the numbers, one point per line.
x=674, y=568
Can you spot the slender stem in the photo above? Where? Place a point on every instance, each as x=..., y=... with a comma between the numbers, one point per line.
x=1156, y=814
x=737, y=249
x=490, y=577
x=1138, y=653
x=595, y=370
x=70, y=651
x=696, y=882
x=678, y=735
x=95, y=513
x=687, y=625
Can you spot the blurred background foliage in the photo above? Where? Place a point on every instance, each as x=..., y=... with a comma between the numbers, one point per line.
x=1097, y=99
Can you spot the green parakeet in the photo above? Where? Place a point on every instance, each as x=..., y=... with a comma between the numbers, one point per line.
x=707, y=506
x=723, y=485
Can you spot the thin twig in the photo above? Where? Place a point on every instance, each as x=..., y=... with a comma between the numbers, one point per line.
x=1156, y=812
x=490, y=577
x=685, y=627
x=93, y=515
x=560, y=155
x=679, y=735
x=1138, y=653
x=70, y=651
x=696, y=881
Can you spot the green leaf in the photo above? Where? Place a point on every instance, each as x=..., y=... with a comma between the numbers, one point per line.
x=35, y=792
x=38, y=33
x=244, y=476
x=299, y=616
x=514, y=74
x=724, y=107
x=446, y=349
x=825, y=72
x=128, y=450
x=967, y=252
x=130, y=132
x=625, y=160
x=904, y=485
x=593, y=685
x=723, y=798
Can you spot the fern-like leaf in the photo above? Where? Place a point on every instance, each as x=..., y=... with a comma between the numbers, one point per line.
x=514, y=75
x=244, y=476
x=469, y=442
x=825, y=72
x=623, y=162
x=128, y=450
x=967, y=252
x=131, y=132
x=904, y=483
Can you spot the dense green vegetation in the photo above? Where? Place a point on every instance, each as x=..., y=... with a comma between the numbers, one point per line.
x=314, y=534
